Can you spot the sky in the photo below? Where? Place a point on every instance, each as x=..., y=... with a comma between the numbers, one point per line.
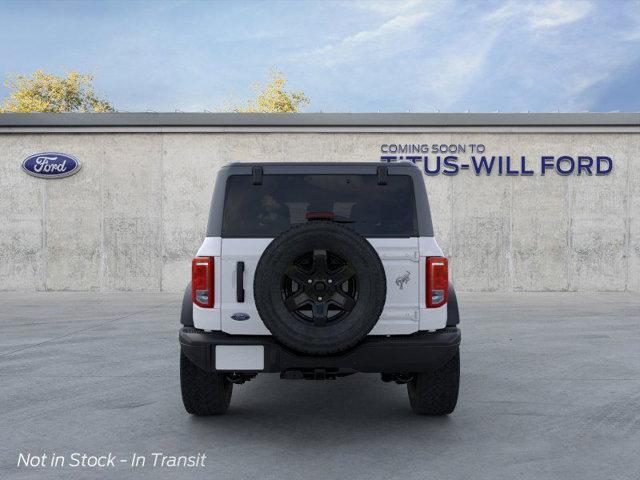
x=347, y=56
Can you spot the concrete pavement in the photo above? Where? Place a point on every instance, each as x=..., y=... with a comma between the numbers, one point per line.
x=550, y=389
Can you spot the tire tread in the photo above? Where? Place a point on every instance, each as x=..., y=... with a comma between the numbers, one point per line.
x=436, y=393
x=203, y=393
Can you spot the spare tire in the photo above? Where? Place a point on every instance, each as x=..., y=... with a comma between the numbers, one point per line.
x=319, y=287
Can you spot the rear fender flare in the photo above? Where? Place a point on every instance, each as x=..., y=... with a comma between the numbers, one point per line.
x=453, y=314
x=186, y=314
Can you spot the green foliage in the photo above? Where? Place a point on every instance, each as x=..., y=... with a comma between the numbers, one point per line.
x=42, y=92
x=273, y=98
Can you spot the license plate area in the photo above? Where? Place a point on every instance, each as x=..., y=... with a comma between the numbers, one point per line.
x=239, y=357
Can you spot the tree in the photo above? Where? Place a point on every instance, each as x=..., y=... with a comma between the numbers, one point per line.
x=273, y=98
x=43, y=92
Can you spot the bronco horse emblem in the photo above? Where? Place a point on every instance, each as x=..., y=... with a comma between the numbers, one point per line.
x=403, y=279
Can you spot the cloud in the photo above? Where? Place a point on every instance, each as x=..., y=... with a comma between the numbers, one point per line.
x=506, y=11
x=457, y=67
x=633, y=15
x=393, y=36
x=388, y=8
x=390, y=37
x=471, y=60
x=561, y=68
x=509, y=55
x=556, y=13
x=541, y=15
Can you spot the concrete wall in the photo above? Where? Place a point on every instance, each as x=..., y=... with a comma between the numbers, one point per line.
x=135, y=214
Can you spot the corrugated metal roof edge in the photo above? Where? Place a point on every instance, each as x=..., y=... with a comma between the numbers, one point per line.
x=317, y=119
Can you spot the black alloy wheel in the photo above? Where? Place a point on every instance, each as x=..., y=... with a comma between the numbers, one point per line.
x=320, y=287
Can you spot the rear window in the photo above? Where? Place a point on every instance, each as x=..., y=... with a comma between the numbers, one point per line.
x=373, y=210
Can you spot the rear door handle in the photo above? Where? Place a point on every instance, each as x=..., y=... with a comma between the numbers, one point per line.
x=240, y=282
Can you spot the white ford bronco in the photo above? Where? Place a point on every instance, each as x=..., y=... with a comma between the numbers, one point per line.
x=318, y=271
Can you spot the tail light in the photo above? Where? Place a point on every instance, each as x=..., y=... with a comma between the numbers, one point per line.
x=437, y=281
x=202, y=281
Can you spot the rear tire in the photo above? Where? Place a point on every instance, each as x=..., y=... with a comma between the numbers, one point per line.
x=436, y=393
x=203, y=393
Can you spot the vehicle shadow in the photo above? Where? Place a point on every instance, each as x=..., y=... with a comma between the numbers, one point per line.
x=354, y=409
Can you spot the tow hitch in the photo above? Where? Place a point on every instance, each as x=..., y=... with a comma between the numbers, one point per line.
x=315, y=374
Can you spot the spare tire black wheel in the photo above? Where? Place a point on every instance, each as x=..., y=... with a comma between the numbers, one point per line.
x=319, y=287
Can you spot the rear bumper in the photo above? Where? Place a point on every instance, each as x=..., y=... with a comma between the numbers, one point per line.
x=419, y=352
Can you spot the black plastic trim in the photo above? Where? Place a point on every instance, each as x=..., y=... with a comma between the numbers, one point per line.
x=453, y=313
x=382, y=175
x=257, y=172
x=419, y=352
x=186, y=314
x=240, y=282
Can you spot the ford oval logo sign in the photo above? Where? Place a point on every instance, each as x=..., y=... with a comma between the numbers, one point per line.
x=240, y=317
x=51, y=165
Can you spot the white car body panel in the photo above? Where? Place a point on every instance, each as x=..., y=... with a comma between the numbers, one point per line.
x=249, y=251
x=403, y=259
x=211, y=247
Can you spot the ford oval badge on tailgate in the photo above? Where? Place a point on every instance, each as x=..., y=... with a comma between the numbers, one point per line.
x=241, y=317
x=51, y=165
